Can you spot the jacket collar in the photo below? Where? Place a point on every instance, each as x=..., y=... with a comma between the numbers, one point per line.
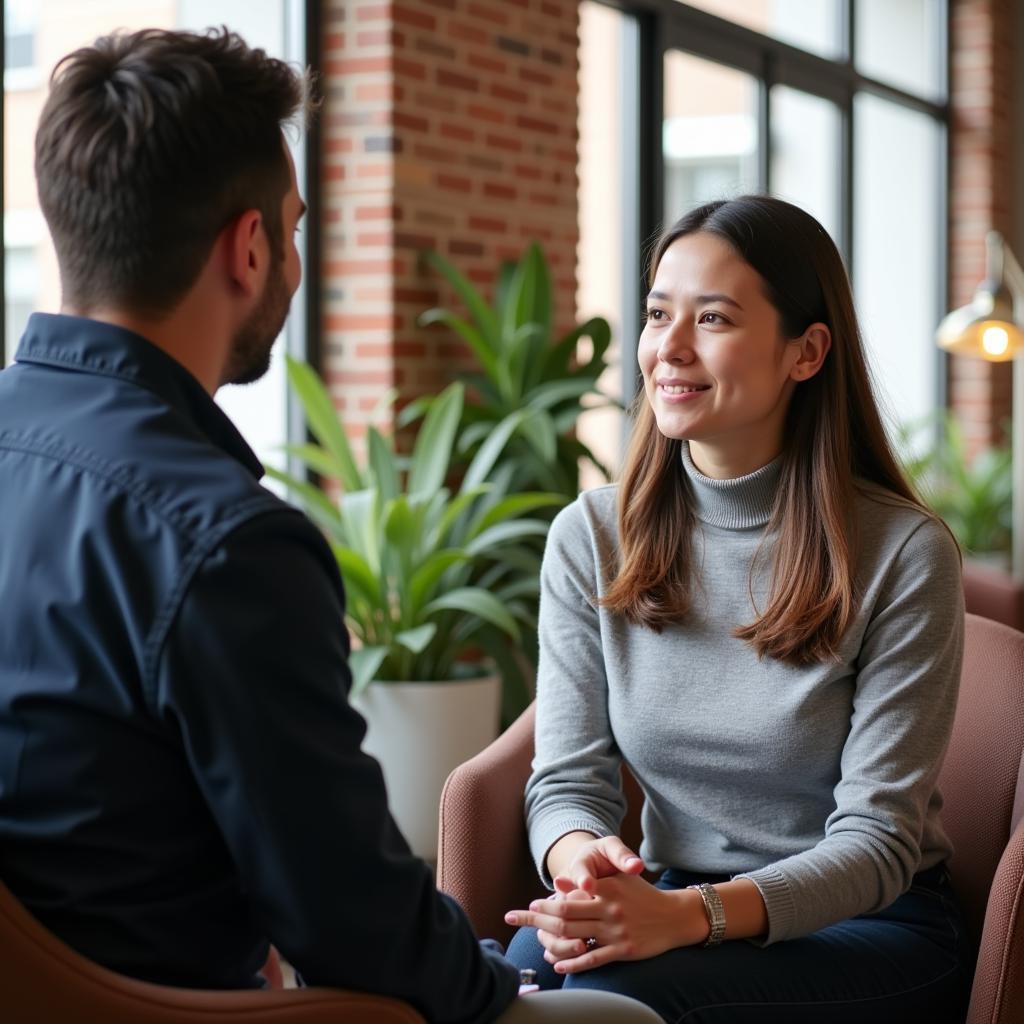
x=93, y=347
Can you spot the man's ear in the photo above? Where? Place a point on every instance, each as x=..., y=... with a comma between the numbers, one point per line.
x=814, y=345
x=245, y=248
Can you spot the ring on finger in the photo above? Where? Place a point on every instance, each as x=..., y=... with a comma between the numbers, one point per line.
x=591, y=943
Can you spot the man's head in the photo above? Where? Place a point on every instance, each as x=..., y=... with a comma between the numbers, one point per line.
x=149, y=146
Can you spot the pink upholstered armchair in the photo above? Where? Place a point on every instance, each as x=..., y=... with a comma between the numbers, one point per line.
x=485, y=864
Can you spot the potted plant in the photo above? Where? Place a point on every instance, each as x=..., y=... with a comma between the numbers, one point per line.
x=408, y=546
x=546, y=382
x=523, y=366
x=973, y=495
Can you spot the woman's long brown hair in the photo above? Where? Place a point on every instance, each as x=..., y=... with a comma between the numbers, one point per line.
x=833, y=434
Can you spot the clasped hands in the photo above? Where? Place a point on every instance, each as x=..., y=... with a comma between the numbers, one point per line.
x=599, y=895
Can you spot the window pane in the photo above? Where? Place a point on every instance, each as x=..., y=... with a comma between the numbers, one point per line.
x=896, y=239
x=805, y=153
x=57, y=27
x=709, y=136
x=603, y=148
x=898, y=41
x=810, y=24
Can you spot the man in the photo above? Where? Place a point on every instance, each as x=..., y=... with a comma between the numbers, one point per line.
x=180, y=773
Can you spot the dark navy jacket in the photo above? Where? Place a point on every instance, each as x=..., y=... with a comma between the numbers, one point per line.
x=180, y=770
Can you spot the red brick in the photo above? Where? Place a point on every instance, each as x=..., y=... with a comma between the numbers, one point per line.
x=454, y=183
x=410, y=68
x=358, y=322
x=467, y=33
x=374, y=239
x=506, y=142
x=482, y=113
x=536, y=124
x=497, y=191
x=451, y=130
x=455, y=80
x=505, y=92
x=417, y=19
x=358, y=66
x=488, y=12
x=461, y=247
x=488, y=225
x=373, y=12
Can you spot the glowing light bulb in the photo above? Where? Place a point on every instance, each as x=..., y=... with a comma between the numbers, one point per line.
x=995, y=341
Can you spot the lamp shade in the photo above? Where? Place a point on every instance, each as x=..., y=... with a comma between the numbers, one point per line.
x=985, y=328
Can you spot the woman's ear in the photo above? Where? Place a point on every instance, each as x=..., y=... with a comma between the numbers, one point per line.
x=813, y=347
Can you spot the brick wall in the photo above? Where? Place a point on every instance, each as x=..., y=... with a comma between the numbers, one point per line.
x=983, y=184
x=448, y=125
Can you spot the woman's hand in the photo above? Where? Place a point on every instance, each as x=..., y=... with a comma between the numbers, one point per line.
x=629, y=918
x=578, y=860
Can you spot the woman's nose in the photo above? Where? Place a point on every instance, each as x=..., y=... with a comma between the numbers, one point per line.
x=677, y=346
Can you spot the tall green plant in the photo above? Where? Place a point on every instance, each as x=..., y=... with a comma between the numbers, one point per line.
x=408, y=546
x=524, y=368
x=974, y=496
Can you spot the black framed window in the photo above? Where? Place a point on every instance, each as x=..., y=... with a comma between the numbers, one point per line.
x=839, y=106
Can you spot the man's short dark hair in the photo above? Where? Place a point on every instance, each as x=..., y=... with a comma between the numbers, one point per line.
x=149, y=144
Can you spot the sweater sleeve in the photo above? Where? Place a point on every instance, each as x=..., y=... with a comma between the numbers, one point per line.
x=908, y=675
x=575, y=783
x=254, y=676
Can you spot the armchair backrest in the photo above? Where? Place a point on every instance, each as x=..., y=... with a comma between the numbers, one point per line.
x=980, y=780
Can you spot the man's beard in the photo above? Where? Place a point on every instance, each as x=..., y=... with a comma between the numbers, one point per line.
x=250, y=348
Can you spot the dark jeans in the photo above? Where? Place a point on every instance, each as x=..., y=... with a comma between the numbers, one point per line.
x=908, y=963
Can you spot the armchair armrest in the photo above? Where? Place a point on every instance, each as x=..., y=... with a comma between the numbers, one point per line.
x=483, y=855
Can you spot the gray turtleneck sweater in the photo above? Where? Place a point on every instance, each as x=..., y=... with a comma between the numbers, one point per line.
x=817, y=783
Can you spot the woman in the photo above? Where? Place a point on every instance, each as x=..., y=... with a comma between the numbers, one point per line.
x=765, y=623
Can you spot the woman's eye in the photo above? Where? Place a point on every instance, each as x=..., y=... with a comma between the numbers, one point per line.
x=655, y=314
x=711, y=318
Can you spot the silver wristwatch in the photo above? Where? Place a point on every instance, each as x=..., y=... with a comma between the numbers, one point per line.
x=715, y=911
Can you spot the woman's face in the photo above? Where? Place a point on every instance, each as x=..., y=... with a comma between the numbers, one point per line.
x=716, y=369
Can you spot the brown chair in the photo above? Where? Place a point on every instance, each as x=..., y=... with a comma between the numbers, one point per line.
x=43, y=981
x=994, y=593
x=484, y=862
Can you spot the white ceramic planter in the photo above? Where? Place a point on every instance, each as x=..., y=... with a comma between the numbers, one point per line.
x=420, y=732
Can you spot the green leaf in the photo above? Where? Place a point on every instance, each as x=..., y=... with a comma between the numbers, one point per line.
x=400, y=525
x=318, y=459
x=416, y=409
x=484, y=460
x=425, y=578
x=363, y=664
x=313, y=500
x=523, y=587
x=503, y=287
x=501, y=533
x=357, y=575
x=546, y=396
x=515, y=505
x=432, y=452
x=476, y=602
x=382, y=465
x=323, y=420
x=561, y=356
x=473, y=434
x=471, y=298
x=539, y=431
x=359, y=512
x=416, y=639
x=470, y=335
x=458, y=505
